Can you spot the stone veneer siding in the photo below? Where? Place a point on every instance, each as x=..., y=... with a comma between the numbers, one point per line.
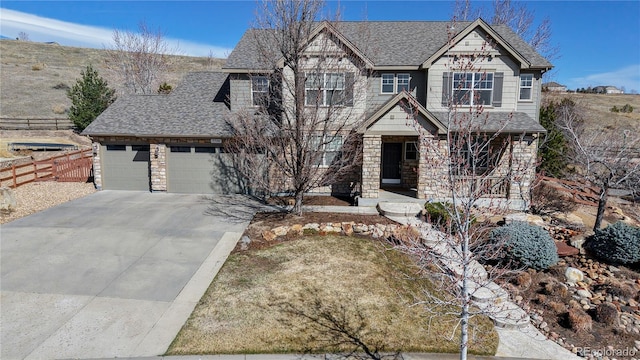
x=97, y=166
x=158, y=167
x=432, y=169
x=371, y=160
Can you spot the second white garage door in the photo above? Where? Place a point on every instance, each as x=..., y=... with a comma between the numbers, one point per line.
x=200, y=170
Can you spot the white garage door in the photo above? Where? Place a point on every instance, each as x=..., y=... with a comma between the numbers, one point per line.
x=200, y=170
x=125, y=167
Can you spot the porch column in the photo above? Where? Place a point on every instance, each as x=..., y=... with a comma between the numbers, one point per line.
x=371, y=159
x=158, y=155
x=433, y=169
x=523, y=168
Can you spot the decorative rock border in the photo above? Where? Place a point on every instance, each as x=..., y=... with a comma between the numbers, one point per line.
x=345, y=228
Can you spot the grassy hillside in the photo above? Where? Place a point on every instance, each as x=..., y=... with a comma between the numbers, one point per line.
x=34, y=76
x=597, y=109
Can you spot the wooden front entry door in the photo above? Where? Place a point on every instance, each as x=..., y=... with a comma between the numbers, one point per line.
x=391, y=161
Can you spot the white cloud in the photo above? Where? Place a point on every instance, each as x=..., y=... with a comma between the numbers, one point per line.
x=65, y=33
x=627, y=77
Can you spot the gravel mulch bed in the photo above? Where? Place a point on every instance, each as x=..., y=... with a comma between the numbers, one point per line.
x=34, y=197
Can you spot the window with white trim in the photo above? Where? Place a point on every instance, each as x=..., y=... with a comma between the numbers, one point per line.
x=394, y=83
x=388, y=82
x=259, y=90
x=526, y=86
x=403, y=82
x=410, y=150
x=472, y=88
x=329, y=145
x=324, y=89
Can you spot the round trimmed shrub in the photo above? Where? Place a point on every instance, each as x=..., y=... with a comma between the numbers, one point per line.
x=617, y=243
x=528, y=245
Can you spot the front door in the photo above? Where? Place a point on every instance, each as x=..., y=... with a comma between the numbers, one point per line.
x=391, y=162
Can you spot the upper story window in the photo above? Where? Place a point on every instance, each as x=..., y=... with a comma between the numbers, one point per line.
x=325, y=89
x=403, y=82
x=388, y=82
x=394, y=83
x=526, y=86
x=472, y=88
x=259, y=90
x=329, y=147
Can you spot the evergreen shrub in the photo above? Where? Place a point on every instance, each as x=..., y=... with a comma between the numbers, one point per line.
x=527, y=245
x=617, y=243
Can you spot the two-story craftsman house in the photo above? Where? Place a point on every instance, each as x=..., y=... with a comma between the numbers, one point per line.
x=399, y=89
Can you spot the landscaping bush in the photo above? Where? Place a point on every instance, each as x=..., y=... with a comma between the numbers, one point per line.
x=617, y=243
x=439, y=215
x=527, y=245
x=579, y=320
x=607, y=314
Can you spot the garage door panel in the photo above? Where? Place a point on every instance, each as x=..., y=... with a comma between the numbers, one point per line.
x=124, y=168
x=201, y=170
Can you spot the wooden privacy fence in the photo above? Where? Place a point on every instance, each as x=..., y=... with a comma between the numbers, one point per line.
x=35, y=124
x=580, y=193
x=69, y=167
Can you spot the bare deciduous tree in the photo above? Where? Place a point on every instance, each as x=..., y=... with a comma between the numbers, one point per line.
x=139, y=59
x=475, y=162
x=306, y=96
x=606, y=159
x=23, y=36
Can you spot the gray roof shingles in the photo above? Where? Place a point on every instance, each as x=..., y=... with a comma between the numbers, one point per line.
x=386, y=43
x=196, y=108
x=505, y=122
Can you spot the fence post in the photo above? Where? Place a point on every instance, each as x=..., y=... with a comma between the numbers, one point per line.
x=13, y=172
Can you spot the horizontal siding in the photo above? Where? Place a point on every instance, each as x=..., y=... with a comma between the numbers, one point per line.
x=240, y=91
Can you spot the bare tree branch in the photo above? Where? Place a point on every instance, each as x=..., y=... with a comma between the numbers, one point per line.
x=139, y=59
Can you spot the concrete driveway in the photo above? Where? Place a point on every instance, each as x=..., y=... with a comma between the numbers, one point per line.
x=113, y=274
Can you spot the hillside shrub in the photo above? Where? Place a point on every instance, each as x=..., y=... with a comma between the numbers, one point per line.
x=527, y=245
x=617, y=243
x=61, y=86
x=624, y=109
x=165, y=88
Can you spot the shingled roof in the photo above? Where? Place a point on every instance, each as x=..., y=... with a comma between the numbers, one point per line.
x=196, y=108
x=387, y=43
x=504, y=122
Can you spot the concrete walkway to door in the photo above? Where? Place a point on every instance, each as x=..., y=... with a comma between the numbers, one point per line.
x=113, y=274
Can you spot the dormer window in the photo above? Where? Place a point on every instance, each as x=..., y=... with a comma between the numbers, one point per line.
x=394, y=83
x=259, y=90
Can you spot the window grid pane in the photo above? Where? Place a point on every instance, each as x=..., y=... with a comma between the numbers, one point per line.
x=403, y=82
x=473, y=88
x=387, y=83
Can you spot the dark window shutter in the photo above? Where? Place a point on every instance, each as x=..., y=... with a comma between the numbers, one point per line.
x=447, y=82
x=497, y=89
x=349, y=82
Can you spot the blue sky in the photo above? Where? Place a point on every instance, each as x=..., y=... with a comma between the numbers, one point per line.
x=598, y=41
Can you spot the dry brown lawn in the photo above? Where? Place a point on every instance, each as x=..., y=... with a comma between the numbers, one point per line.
x=242, y=311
